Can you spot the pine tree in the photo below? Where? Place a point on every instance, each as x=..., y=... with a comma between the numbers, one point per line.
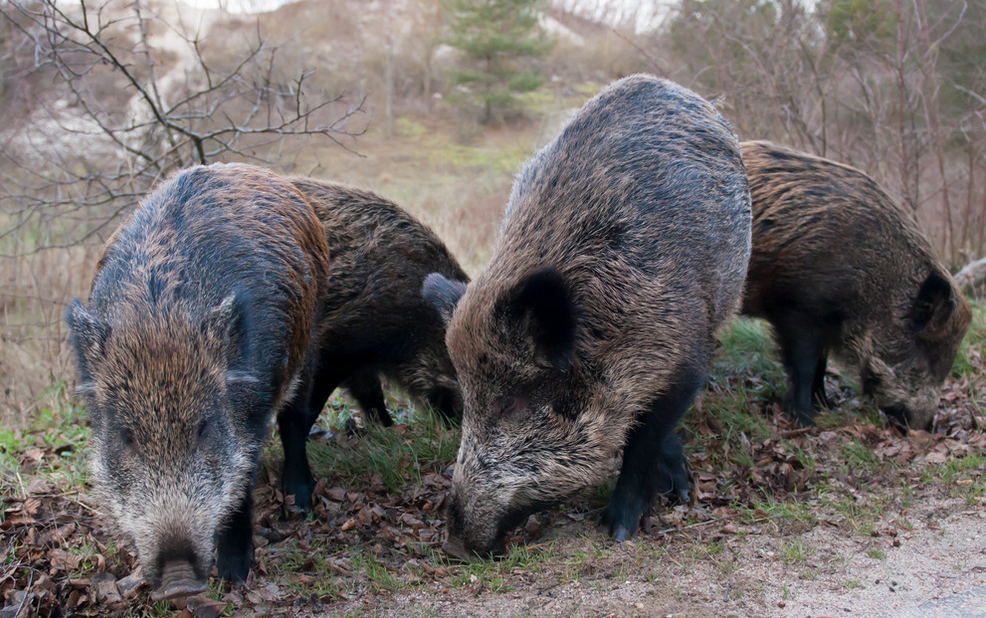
x=493, y=35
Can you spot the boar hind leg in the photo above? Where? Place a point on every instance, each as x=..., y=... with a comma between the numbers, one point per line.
x=653, y=461
x=803, y=351
x=364, y=385
x=442, y=400
x=818, y=384
x=234, y=543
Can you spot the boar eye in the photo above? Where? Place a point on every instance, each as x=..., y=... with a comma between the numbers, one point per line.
x=127, y=438
x=509, y=405
x=203, y=425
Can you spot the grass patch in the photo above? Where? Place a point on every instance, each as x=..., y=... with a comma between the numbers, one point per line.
x=973, y=344
x=859, y=511
x=876, y=553
x=855, y=458
x=399, y=454
x=795, y=551
x=51, y=448
x=408, y=127
x=965, y=477
x=772, y=509
x=493, y=573
x=747, y=347
x=701, y=551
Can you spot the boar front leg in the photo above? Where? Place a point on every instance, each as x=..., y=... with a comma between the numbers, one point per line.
x=653, y=460
x=803, y=351
x=234, y=545
x=294, y=422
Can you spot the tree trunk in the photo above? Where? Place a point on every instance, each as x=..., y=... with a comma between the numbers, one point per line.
x=389, y=86
x=972, y=279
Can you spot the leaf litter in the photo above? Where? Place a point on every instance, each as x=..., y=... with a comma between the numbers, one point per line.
x=364, y=540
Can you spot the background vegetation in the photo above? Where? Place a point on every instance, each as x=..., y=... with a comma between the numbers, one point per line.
x=97, y=106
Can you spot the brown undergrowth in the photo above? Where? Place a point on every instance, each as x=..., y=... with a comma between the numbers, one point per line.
x=378, y=520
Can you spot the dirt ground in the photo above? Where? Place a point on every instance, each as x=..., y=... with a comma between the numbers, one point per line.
x=848, y=519
x=941, y=552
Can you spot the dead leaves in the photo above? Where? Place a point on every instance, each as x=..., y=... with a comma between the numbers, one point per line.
x=62, y=561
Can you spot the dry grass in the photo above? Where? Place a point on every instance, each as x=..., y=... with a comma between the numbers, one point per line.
x=35, y=360
x=459, y=190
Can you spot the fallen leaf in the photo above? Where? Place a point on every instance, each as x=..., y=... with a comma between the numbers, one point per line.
x=63, y=560
x=202, y=607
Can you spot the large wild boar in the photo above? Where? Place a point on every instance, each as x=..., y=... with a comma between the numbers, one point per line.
x=375, y=320
x=838, y=268
x=623, y=249
x=199, y=327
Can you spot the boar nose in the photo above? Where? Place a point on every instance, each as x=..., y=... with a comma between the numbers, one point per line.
x=178, y=579
x=904, y=418
x=454, y=547
x=179, y=576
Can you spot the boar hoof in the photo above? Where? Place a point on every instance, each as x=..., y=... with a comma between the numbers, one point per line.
x=801, y=417
x=804, y=420
x=302, y=504
x=178, y=581
x=621, y=523
x=298, y=493
x=621, y=534
x=233, y=568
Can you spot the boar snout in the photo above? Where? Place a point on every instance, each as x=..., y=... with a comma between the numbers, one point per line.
x=179, y=574
x=454, y=547
x=178, y=581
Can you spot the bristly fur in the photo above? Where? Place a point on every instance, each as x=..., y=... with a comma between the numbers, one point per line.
x=838, y=268
x=375, y=318
x=637, y=219
x=375, y=321
x=201, y=318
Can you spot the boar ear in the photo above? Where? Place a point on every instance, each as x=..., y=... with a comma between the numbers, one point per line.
x=89, y=333
x=544, y=301
x=935, y=303
x=228, y=323
x=443, y=294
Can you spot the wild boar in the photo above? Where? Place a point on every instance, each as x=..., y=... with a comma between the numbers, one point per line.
x=623, y=249
x=375, y=320
x=839, y=269
x=200, y=326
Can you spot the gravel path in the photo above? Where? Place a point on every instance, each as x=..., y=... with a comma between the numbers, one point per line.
x=970, y=604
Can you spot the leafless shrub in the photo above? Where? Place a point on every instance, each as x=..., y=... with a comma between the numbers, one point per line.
x=895, y=87
x=131, y=92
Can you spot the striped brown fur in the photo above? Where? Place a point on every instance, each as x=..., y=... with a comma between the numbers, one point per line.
x=375, y=321
x=623, y=249
x=200, y=325
x=840, y=269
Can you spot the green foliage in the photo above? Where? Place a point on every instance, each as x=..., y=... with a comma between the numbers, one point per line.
x=494, y=36
x=696, y=36
x=858, y=23
x=795, y=551
x=973, y=343
x=398, y=457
